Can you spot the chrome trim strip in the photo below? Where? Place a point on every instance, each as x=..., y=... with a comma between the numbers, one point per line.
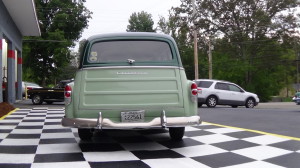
x=163, y=119
x=99, y=121
x=109, y=124
x=134, y=67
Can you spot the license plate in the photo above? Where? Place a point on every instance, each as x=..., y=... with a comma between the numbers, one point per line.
x=133, y=116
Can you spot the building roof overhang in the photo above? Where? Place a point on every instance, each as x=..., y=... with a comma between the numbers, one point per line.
x=24, y=15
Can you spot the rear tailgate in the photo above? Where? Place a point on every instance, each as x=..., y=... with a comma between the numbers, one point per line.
x=131, y=88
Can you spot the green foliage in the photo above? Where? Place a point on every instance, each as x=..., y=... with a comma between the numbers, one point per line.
x=254, y=41
x=61, y=24
x=140, y=22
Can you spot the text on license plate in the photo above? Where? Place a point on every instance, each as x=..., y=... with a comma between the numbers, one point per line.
x=133, y=116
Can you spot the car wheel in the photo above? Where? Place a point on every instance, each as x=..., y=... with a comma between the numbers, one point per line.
x=37, y=99
x=176, y=133
x=85, y=133
x=234, y=106
x=211, y=101
x=250, y=103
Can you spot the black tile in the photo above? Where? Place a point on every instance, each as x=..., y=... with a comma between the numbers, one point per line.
x=13, y=118
x=8, y=124
x=234, y=145
x=53, y=117
x=179, y=144
x=24, y=136
x=18, y=149
x=222, y=159
x=58, y=157
x=100, y=147
x=52, y=123
x=288, y=145
x=39, y=120
x=242, y=134
x=58, y=141
x=57, y=130
x=197, y=133
x=36, y=116
x=30, y=127
x=158, y=154
x=6, y=165
x=290, y=160
x=5, y=130
x=120, y=164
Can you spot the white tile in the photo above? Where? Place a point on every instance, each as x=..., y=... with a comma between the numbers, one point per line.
x=200, y=150
x=57, y=135
x=16, y=158
x=265, y=139
x=223, y=130
x=3, y=135
x=143, y=146
x=191, y=129
x=11, y=121
x=109, y=156
x=261, y=152
x=58, y=148
x=10, y=127
x=255, y=164
x=31, y=124
x=17, y=142
x=174, y=163
x=214, y=138
x=26, y=131
x=53, y=120
x=33, y=118
x=61, y=165
x=53, y=127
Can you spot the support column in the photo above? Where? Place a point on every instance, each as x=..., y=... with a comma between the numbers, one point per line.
x=19, y=76
x=1, y=90
x=11, y=86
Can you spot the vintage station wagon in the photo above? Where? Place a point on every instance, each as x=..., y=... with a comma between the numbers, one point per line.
x=131, y=81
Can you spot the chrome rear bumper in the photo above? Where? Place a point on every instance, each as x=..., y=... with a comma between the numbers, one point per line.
x=158, y=122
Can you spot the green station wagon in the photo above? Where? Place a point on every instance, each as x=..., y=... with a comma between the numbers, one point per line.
x=130, y=81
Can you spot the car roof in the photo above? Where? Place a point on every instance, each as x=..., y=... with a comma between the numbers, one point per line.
x=130, y=34
x=213, y=80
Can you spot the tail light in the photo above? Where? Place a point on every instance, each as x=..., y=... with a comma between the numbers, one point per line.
x=68, y=94
x=194, y=89
x=29, y=88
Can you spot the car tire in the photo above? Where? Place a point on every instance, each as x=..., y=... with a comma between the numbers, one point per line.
x=85, y=133
x=37, y=99
x=250, y=103
x=200, y=104
x=176, y=133
x=211, y=101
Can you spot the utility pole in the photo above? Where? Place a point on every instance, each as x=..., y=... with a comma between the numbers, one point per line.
x=195, y=42
x=210, y=48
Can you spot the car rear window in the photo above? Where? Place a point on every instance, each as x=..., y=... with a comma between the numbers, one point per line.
x=204, y=84
x=137, y=50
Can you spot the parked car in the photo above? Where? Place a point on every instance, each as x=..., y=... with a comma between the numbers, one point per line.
x=296, y=98
x=217, y=92
x=131, y=81
x=48, y=95
x=28, y=86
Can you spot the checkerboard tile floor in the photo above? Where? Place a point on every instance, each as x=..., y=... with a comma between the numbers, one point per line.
x=35, y=138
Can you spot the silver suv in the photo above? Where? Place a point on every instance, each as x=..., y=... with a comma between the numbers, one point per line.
x=217, y=92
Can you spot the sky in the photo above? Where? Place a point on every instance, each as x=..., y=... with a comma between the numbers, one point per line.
x=111, y=16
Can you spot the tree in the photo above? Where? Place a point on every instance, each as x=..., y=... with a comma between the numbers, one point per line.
x=140, y=22
x=61, y=24
x=252, y=40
